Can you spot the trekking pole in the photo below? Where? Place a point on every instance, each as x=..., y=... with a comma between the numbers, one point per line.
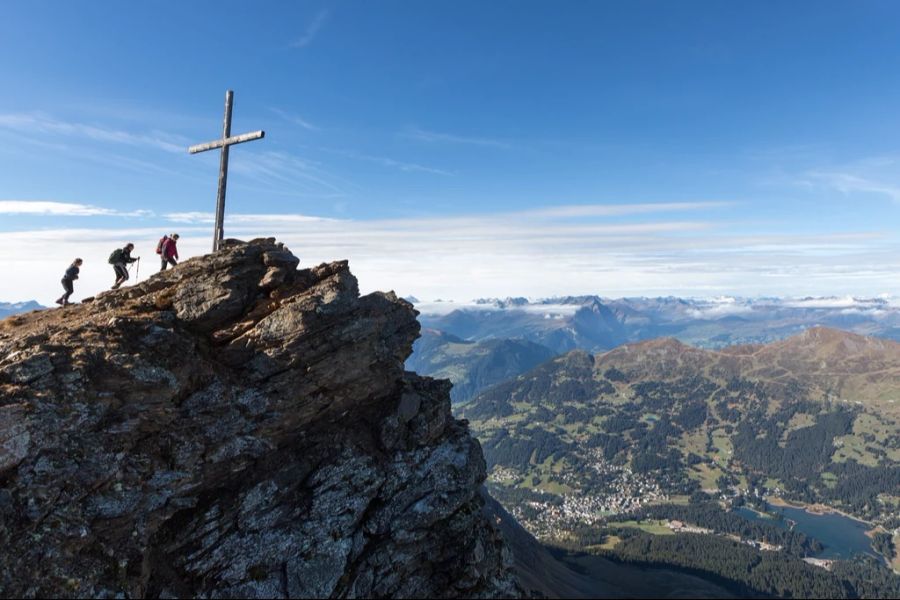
x=137, y=270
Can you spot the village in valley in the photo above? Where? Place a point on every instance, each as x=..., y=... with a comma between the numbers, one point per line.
x=552, y=517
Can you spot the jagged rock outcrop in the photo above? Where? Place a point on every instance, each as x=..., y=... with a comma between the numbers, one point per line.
x=235, y=427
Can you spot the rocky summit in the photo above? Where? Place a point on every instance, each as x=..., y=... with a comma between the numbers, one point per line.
x=236, y=427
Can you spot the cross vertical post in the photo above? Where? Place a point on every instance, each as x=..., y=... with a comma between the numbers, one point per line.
x=219, y=231
x=224, y=143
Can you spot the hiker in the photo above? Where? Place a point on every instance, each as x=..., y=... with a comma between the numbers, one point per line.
x=168, y=251
x=70, y=276
x=118, y=259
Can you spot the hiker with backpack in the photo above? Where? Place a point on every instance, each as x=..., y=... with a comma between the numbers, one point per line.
x=119, y=259
x=70, y=276
x=167, y=250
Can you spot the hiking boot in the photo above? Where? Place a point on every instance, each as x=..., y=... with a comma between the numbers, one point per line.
x=59, y=301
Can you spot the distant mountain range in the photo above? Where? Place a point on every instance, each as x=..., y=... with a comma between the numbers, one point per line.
x=595, y=324
x=12, y=308
x=484, y=342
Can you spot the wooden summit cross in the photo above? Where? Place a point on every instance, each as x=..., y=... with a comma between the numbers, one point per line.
x=224, y=143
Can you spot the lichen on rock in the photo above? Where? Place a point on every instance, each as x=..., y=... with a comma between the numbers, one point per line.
x=236, y=427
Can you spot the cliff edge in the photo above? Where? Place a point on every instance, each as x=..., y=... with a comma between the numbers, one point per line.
x=235, y=427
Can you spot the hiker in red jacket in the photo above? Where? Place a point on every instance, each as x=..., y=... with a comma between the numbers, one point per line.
x=168, y=251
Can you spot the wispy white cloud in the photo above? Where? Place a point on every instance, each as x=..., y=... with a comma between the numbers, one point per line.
x=391, y=163
x=611, y=210
x=716, y=310
x=403, y=166
x=38, y=123
x=850, y=183
x=311, y=31
x=64, y=209
x=548, y=310
x=835, y=302
x=450, y=138
x=787, y=153
x=47, y=143
x=294, y=118
x=294, y=174
x=209, y=217
x=861, y=178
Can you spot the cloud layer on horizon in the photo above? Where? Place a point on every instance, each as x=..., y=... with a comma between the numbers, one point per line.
x=542, y=253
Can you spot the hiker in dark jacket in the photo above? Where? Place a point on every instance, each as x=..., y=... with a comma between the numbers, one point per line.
x=168, y=252
x=70, y=276
x=118, y=259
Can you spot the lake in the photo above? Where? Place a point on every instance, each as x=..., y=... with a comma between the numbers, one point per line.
x=843, y=537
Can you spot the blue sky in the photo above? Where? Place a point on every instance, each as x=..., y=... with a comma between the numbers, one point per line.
x=461, y=149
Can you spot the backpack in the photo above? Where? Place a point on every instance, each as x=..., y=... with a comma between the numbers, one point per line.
x=116, y=256
x=159, y=245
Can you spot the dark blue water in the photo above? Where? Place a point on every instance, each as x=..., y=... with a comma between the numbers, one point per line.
x=842, y=536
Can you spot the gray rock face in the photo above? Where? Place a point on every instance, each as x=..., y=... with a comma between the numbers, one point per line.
x=235, y=427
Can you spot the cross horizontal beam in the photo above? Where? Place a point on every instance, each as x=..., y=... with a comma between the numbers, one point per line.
x=229, y=141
